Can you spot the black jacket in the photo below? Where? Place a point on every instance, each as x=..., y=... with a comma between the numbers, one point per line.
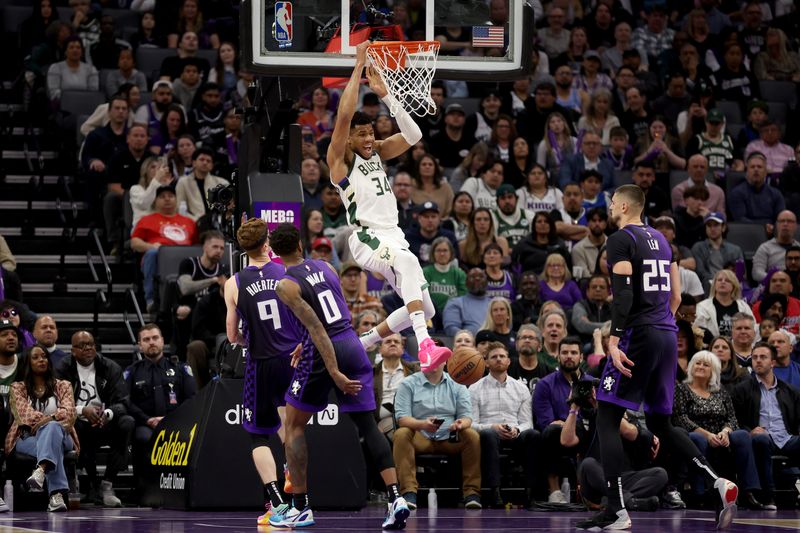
x=746, y=398
x=111, y=387
x=145, y=379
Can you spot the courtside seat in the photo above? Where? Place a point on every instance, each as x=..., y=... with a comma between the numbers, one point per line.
x=19, y=467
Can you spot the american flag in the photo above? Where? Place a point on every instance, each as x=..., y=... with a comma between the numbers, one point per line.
x=488, y=36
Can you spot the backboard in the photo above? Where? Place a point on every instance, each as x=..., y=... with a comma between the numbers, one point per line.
x=482, y=39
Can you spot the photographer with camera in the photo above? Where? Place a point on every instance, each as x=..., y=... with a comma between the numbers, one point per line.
x=193, y=189
x=640, y=486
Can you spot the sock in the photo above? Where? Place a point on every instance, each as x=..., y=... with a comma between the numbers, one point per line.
x=370, y=338
x=702, y=463
x=615, y=499
x=419, y=325
x=272, y=493
x=300, y=500
x=393, y=492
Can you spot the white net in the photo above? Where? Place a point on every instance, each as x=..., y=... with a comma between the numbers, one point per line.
x=407, y=70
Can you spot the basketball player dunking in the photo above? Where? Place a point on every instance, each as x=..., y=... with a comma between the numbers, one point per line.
x=642, y=355
x=331, y=347
x=268, y=333
x=377, y=242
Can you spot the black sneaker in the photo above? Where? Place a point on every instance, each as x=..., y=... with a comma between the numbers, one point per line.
x=672, y=499
x=648, y=505
x=606, y=521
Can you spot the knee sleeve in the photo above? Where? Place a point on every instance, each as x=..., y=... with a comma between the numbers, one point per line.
x=375, y=442
x=259, y=441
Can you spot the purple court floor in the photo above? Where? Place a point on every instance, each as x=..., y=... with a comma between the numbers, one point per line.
x=445, y=520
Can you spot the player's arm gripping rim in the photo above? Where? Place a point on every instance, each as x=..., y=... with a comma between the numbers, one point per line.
x=289, y=293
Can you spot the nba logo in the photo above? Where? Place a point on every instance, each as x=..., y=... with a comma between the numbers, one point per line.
x=283, y=22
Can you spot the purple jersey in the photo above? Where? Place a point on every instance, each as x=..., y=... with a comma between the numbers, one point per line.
x=651, y=256
x=504, y=287
x=320, y=288
x=268, y=326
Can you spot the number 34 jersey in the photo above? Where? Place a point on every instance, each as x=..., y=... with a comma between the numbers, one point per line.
x=321, y=290
x=367, y=195
x=650, y=255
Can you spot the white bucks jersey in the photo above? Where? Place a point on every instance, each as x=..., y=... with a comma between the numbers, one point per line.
x=367, y=194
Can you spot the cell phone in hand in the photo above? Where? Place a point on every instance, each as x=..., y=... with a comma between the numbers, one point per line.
x=438, y=421
x=454, y=437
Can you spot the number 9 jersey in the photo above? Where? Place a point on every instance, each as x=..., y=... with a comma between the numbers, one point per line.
x=651, y=256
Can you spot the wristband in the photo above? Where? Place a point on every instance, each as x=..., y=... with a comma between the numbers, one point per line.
x=574, y=412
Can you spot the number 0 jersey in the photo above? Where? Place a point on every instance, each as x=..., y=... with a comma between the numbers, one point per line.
x=268, y=326
x=367, y=195
x=321, y=290
x=651, y=256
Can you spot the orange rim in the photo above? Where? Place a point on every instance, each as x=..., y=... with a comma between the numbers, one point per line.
x=394, y=47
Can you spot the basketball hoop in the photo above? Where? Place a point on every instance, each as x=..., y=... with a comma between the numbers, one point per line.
x=407, y=69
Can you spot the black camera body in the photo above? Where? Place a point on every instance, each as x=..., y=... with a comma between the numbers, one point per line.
x=221, y=196
x=581, y=394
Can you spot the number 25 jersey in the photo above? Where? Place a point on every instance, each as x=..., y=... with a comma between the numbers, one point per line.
x=650, y=255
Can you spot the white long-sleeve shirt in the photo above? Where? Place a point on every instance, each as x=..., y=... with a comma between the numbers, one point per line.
x=500, y=403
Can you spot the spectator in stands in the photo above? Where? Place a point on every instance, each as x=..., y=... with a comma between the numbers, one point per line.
x=153, y=173
x=588, y=159
x=478, y=126
x=733, y=81
x=594, y=197
x=594, y=311
x=537, y=194
x=553, y=36
x=776, y=61
x=675, y=100
x=529, y=367
x=785, y=369
x=124, y=73
x=467, y=311
x=164, y=226
x=480, y=233
x=173, y=125
x=792, y=263
x=585, y=252
x=44, y=414
x=463, y=338
x=502, y=138
x=224, y=72
x=420, y=236
x=207, y=117
x=470, y=165
x=661, y=147
x=15, y=312
x=185, y=87
x=430, y=185
x=85, y=21
x=577, y=48
x=656, y=200
x=611, y=57
x=333, y=214
x=772, y=253
x=532, y=122
x=568, y=94
x=319, y=118
x=151, y=113
x=558, y=143
x=322, y=248
x=757, y=113
x=356, y=300
x=525, y=309
x=100, y=394
x=716, y=145
x=483, y=189
x=697, y=168
x=553, y=325
x=780, y=284
x=744, y=335
x=690, y=282
x=99, y=117
x=156, y=386
x=190, y=19
x=501, y=427
x=512, y=222
x=753, y=32
x=105, y=52
x=45, y=332
x=402, y=187
x=557, y=283
x=550, y=409
x=636, y=117
x=655, y=37
x=422, y=399
x=72, y=74
x=704, y=409
x=388, y=373
x=620, y=153
x=32, y=30
x=755, y=201
x=714, y=253
x=189, y=187
x=690, y=219
x=227, y=142
x=498, y=322
x=312, y=186
x=172, y=66
x=208, y=332
x=148, y=35
x=769, y=409
x=102, y=144
x=591, y=80
x=43, y=55
x=532, y=251
x=777, y=153
x=571, y=220
x=732, y=373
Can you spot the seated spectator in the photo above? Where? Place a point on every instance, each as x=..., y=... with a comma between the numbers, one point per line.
x=451, y=145
x=151, y=113
x=420, y=236
x=558, y=143
x=666, y=226
x=776, y=61
x=755, y=201
x=785, y=369
x=520, y=163
x=636, y=118
x=687, y=346
x=125, y=73
x=591, y=148
x=502, y=138
x=172, y=126
x=553, y=325
x=481, y=233
x=483, y=189
x=154, y=173
x=185, y=87
x=585, y=252
x=13, y=312
x=401, y=187
x=714, y=253
x=172, y=67
x=656, y=200
x=744, y=336
x=9, y=361
x=501, y=428
x=72, y=74
x=445, y=279
x=731, y=373
x=148, y=36
x=106, y=51
x=780, y=285
x=224, y=72
x=478, y=126
x=772, y=253
x=44, y=414
x=43, y=55
x=792, y=263
x=595, y=310
x=312, y=184
x=102, y=144
x=356, y=299
x=423, y=400
x=85, y=20
x=500, y=282
x=768, y=408
x=715, y=314
x=164, y=226
x=189, y=187
x=525, y=309
x=697, y=168
x=553, y=36
x=180, y=160
x=124, y=171
x=593, y=195
x=100, y=118
x=45, y=332
x=557, y=283
x=498, y=322
x=32, y=30
x=156, y=386
x=334, y=217
x=388, y=373
x=512, y=222
x=100, y=394
x=599, y=118
x=690, y=282
x=190, y=19
x=550, y=410
x=674, y=100
x=319, y=118
x=529, y=367
x=532, y=251
x=227, y=144
x=704, y=409
x=468, y=311
x=571, y=223
x=769, y=143
x=619, y=152
x=463, y=338
x=532, y=122
x=661, y=148
x=208, y=329
x=690, y=219
x=654, y=37
x=716, y=145
x=207, y=117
